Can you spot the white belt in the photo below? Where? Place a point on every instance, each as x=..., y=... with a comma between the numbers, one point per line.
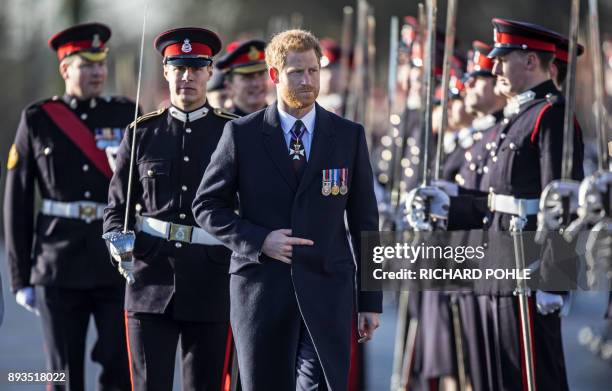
x=83, y=210
x=514, y=206
x=175, y=232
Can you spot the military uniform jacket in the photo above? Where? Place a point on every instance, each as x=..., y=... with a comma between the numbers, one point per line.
x=473, y=174
x=253, y=160
x=59, y=251
x=527, y=156
x=173, y=149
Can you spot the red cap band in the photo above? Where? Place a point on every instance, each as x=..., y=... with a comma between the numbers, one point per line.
x=481, y=62
x=248, y=57
x=562, y=55
x=532, y=44
x=76, y=46
x=190, y=48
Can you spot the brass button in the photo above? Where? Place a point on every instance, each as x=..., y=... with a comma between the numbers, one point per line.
x=182, y=216
x=485, y=169
x=85, y=167
x=178, y=245
x=512, y=146
x=150, y=173
x=184, y=188
x=494, y=159
x=186, y=158
x=84, y=116
x=502, y=136
x=47, y=151
x=188, y=130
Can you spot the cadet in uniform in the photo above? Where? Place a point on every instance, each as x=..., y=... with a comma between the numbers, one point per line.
x=245, y=76
x=525, y=158
x=58, y=262
x=181, y=273
x=487, y=104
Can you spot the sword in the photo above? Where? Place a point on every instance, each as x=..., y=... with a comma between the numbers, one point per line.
x=458, y=334
x=559, y=200
x=427, y=206
x=400, y=340
x=594, y=191
x=123, y=242
x=397, y=132
x=346, y=44
x=449, y=46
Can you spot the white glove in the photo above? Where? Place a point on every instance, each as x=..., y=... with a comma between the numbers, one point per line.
x=427, y=208
x=547, y=303
x=114, y=252
x=26, y=297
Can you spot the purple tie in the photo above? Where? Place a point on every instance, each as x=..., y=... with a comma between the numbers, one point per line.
x=297, y=152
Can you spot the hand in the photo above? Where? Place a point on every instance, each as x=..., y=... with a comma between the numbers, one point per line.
x=114, y=252
x=427, y=208
x=367, y=322
x=126, y=269
x=547, y=303
x=26, y=297
x=279, y=245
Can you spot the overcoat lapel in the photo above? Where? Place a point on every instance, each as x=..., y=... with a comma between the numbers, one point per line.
x=274, y=142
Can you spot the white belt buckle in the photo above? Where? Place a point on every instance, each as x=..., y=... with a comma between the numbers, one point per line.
x=88, y=211
x=180, y=233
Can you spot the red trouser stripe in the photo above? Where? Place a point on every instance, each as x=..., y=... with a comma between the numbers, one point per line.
x=129, y=350
x=226, y=378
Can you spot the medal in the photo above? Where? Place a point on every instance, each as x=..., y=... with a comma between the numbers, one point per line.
x=335, y=189
x=343, y=187
x=326, y=188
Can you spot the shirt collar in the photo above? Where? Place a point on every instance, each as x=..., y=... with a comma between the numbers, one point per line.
x=191, y=116
x=287, y=120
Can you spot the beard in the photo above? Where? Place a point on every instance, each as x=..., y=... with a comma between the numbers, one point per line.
x=295, y=99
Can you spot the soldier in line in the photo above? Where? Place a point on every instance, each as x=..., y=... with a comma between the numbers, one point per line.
x=244, y=67
x=181, y=286
x=58, y=262
x=525, y=158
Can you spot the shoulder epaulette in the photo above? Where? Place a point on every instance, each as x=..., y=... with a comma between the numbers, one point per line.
x=555, y=99
x=148, y=116
x=225, y=114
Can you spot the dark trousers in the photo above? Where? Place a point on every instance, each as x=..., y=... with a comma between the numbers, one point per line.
x=65, y=317
x=501, y=324
x=308, y=372
x=153, y=339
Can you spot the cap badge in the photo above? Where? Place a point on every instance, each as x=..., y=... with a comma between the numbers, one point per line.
x=186, y=48
x=96, y=41
x=253, y=53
